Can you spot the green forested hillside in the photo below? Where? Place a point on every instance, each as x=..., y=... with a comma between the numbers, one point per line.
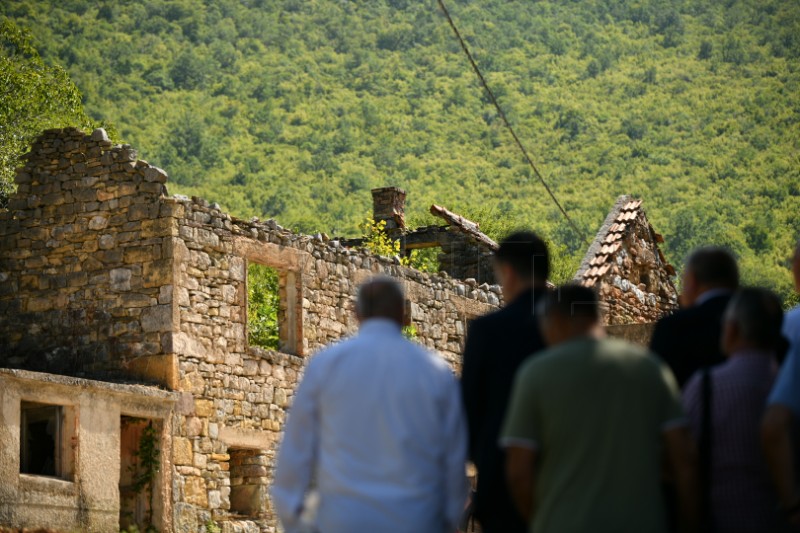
x=295, y=108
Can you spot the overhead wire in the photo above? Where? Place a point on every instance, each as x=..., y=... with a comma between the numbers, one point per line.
x=505, y=120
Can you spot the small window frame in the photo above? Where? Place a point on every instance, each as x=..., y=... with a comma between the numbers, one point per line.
x=63, y=416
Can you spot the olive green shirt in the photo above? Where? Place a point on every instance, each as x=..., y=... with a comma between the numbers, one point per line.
x=594, y=411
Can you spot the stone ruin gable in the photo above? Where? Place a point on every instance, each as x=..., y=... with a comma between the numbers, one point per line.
x=627, y=267
x=85, y=253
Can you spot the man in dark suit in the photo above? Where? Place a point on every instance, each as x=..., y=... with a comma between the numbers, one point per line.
x=690, y=339
x=496, y=346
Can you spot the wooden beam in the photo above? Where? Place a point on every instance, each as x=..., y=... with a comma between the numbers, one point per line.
x=464, y=225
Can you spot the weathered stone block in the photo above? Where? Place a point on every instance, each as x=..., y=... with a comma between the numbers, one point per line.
x=141, y=254
x=194, y=491
x=203, y=407
x=106, y=242
x=157, y=318
x=157, y=273
x=155, y=174
x=120, y=279
x=98, y=222
x=181, y=451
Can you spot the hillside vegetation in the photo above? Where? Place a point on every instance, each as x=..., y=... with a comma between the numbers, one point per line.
x=294, y=109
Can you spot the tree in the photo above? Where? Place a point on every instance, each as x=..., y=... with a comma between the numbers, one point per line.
x=34, y=96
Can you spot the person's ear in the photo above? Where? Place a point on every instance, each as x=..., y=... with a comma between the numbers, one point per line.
x=688, y=288
x=508, y=274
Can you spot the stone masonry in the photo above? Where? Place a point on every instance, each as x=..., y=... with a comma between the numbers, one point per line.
x=627, y=268
x=104, y=276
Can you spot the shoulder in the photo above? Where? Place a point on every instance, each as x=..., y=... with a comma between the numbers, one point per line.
x=677, y=318
x=637, y=358
x=793, y=313
x=329, y=355
x=426, y=360
x=791, y=322
x=488, y=320
x=546, y=360
x=620, y=346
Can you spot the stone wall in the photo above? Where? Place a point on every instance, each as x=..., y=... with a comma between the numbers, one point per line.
x=83, y=247
x=84, y=494
x=241, y=393
x=462, y=258
x=103, y=275
x=627, y=268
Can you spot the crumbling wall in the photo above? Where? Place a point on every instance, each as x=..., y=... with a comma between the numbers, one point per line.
x=461, y=258
x=105, y=276
x=84, y=247
x=241, y=393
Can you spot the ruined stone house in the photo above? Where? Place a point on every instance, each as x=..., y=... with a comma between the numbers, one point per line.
x=123, y=311
x=121, y=306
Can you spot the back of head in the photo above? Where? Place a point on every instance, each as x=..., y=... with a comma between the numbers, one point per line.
x=572, y=302
x=714, y=267
x=526, y=253
x=757, y=315
x=380, y=297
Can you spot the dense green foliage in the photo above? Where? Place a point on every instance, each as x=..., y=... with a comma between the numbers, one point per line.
x=295, y=108
x=34, y=96
x=263, y=301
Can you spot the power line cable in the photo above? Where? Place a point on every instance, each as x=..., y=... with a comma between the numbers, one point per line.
x=500, y=112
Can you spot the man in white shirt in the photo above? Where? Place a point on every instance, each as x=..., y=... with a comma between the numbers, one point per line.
x=377, y=428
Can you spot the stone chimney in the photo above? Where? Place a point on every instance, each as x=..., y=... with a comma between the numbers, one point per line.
x=389, y=203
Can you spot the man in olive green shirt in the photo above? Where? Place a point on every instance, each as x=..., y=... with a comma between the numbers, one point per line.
x=588, y=424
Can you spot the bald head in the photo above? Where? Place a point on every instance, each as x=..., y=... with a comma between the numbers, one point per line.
x=380, y=297
x=568, y=312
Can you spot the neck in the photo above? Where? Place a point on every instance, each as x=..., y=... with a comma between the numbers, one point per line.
x=583, y=331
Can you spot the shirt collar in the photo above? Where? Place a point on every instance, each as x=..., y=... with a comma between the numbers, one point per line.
x=379, y=326
x=709, y=294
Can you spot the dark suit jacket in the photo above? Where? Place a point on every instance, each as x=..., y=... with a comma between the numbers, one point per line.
x=496, y=346
x=690, y=339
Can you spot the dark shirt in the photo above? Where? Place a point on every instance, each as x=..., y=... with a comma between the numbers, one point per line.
x=496, y=346
x=690, y=339
x=742, y=498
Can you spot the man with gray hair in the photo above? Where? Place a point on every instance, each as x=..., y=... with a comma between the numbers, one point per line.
x=727, y=410
x=377, y=428
x=689, y=339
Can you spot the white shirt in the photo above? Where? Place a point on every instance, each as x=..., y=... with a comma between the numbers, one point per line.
x=378, y=423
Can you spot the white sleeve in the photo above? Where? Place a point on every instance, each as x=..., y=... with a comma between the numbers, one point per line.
x=297, y=455
x=455, y=456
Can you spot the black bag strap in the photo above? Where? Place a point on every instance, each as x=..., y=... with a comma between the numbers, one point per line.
x=706, y=444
